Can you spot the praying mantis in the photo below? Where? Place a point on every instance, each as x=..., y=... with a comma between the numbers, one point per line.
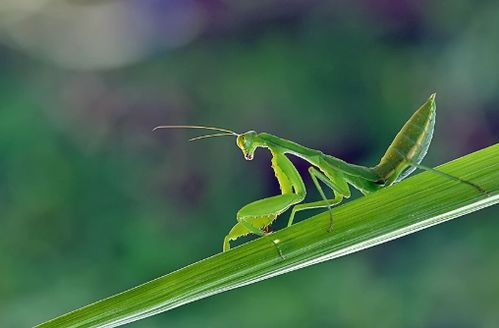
x=402, y=157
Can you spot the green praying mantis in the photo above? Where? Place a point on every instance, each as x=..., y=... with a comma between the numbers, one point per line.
x=402, y=157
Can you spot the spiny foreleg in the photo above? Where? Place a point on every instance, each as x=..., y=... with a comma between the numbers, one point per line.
x=256, y=216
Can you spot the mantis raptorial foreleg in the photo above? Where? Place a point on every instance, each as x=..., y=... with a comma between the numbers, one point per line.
x=259, y=214
x=247, y=226
x=336, y=182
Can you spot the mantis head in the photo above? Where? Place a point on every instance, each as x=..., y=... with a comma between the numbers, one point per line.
x=248, y=141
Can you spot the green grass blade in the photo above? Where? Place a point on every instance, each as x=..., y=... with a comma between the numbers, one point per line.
x=412, y=205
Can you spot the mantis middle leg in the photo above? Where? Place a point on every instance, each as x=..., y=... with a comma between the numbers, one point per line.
x=336, y=182
x=257, y=215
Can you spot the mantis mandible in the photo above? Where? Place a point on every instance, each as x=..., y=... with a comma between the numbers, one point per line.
x=402, y=157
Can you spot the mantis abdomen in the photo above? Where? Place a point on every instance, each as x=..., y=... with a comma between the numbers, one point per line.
x=409, y=146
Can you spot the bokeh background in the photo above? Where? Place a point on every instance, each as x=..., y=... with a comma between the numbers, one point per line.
x=92, y=202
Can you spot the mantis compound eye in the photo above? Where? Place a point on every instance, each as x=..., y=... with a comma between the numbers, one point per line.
x=240, y=141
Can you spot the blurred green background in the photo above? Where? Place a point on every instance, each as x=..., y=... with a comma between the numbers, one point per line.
x=92, y=202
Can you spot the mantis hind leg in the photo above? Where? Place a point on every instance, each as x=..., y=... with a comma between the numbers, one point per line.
x=336, y=183
x=452, y=177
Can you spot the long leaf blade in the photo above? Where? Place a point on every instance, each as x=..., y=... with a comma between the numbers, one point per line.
x=412, y=205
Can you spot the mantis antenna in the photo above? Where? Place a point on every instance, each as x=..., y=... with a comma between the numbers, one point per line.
x=223, y=132
x=195, y=127
x=206, y=136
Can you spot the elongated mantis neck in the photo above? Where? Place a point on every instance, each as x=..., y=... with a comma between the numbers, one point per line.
x=287, y=146
x=316, y=157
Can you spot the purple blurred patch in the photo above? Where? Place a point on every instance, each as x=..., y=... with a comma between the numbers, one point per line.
x=401, y=19
x=169, y=23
